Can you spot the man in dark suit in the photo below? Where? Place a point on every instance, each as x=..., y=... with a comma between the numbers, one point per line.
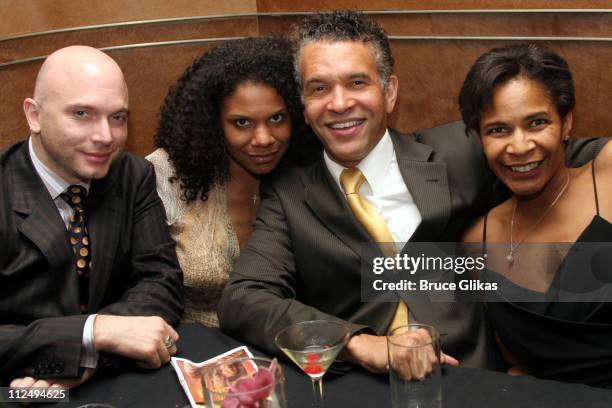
x=89, y=271
x=304, y=257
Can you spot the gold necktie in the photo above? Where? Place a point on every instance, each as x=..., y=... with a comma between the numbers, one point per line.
x=351, y=180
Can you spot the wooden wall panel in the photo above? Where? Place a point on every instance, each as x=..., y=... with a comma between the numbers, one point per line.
x=431, y=74
x=478, y=24
x=27, y=16
x=17, y=84
x=430, y=70
x=314, y=5
x=20, y=48
x=499, y=24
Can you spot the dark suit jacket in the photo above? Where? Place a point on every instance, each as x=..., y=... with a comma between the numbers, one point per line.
x=134, y=265
x=303, y=260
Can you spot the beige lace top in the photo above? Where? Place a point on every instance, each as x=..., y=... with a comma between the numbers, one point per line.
x=206, y=243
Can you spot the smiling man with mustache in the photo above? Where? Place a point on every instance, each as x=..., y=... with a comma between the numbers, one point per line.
x=89, y=268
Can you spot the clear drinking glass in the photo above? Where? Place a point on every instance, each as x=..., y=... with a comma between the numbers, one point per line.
x=414, y=367
x=313, y=345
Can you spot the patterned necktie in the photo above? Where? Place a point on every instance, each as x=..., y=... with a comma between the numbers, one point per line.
x=75, y=195
x=351, y=180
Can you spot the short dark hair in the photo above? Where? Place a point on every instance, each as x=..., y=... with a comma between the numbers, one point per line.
x=190, y=128
x=344, y=25
x=499, y=65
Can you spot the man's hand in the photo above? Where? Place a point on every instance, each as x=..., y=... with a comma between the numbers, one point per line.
x=53, y=382
x=370, y=352
x=148, y=340
x=411, y=355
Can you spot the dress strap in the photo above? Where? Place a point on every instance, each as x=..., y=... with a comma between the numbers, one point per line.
x=595, y=186
x=484, y=234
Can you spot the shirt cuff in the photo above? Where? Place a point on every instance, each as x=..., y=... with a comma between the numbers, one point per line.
x=89, y=357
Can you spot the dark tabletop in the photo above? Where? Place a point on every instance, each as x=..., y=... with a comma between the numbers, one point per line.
x=461, y=387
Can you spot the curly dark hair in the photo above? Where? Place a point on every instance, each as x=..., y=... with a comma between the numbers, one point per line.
x=499, y=65
x=190, y=129
x=344, y=25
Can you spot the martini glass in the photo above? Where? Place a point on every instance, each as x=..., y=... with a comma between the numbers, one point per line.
x=313, y=345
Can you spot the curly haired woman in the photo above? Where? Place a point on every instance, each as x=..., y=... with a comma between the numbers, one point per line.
x=233, y=117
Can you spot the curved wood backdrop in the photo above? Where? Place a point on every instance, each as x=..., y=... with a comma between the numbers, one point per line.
x=434, y=44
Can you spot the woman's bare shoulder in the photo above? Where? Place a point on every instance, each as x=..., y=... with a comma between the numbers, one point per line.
x=604, y=160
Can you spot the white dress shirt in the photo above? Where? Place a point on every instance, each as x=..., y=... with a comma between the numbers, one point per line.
x=56, y=185
x=385, y=189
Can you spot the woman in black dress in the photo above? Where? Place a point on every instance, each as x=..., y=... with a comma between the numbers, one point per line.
x=548, y=245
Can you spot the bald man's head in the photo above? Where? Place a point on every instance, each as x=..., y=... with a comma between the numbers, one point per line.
x=78, y=115
x=66, y=63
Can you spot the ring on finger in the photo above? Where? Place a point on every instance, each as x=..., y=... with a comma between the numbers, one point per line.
x=168, y=343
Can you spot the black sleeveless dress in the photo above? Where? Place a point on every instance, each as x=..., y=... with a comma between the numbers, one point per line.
x=564, y=341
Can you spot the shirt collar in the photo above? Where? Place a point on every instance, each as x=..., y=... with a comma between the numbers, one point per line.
x=54, y=183
x=374, y=166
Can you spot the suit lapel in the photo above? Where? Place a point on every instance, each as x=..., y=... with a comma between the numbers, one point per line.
x=40, y=222
x=427, y=182
x=325, y=199
x=104, y=226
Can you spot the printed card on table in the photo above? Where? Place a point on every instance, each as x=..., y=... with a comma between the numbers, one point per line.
x=190, y=373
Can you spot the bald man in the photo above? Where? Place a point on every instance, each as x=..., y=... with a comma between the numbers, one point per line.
x=88, y=271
